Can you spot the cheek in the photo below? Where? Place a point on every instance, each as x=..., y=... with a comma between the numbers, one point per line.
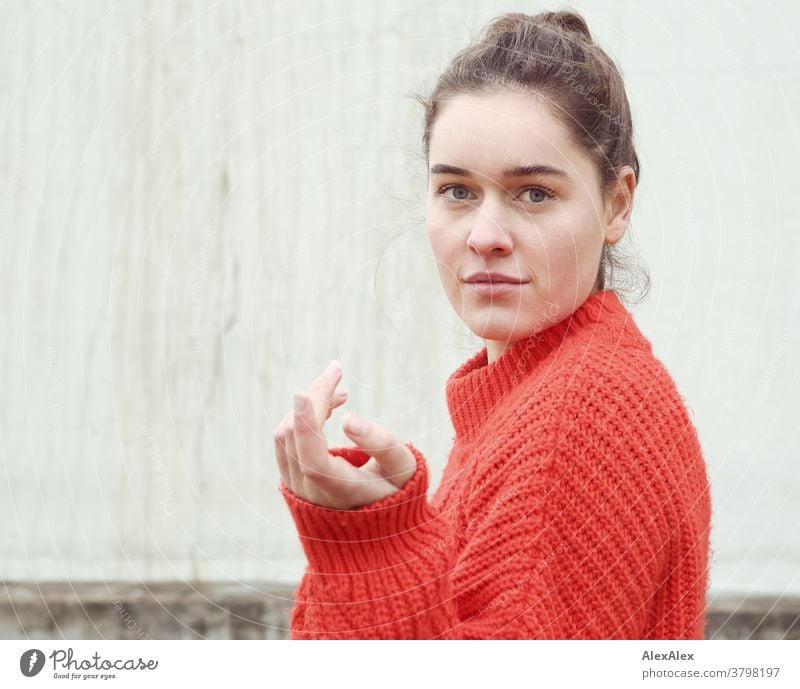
x=565, y=241
x=556, y=254
x=443, y=234
x=445, y=247
x=580, y=226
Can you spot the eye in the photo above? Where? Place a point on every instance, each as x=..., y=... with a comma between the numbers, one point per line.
x=539, y=194
x=460, y=193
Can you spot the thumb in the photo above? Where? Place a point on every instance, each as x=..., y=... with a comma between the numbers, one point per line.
x=395, y=460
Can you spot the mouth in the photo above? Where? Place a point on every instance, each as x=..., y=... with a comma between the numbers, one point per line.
x=492, y=276
x=493, y=288
x=502, y=282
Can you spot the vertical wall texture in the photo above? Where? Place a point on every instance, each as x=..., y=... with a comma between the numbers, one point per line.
x=201, y=204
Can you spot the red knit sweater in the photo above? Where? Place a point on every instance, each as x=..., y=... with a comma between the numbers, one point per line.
x=574, y=505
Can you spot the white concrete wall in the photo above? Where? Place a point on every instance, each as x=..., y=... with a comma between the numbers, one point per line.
x=195, y=199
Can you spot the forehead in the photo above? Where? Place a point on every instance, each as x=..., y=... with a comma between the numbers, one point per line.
x=489, y=131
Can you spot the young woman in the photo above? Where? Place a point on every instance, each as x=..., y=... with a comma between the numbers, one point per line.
x=575, y=501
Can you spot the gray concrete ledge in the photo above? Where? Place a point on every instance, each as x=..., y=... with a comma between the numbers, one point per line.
x=179, y=610
x=158, y=610
x=753, y=617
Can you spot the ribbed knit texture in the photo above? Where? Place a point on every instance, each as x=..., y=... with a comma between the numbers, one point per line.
x=574, y=505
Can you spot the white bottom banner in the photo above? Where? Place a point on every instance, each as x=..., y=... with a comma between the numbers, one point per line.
x=387, y=664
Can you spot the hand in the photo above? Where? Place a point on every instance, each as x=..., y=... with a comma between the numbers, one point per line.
x=312, y=473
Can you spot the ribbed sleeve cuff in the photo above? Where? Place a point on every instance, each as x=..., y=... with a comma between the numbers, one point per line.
x=377, y=535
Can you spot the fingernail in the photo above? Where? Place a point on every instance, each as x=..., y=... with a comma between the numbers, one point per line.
x=356, y=425
x=299, y=403
x=333, y=367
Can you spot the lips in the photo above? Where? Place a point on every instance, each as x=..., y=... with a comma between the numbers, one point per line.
x=494, y=289
x=493, y=278
x=495, y=282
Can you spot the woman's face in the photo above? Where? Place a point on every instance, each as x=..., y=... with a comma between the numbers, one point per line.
x=509, y=192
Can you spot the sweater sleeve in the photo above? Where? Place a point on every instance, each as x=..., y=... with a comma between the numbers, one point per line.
x=375, y=572
x=530, y=562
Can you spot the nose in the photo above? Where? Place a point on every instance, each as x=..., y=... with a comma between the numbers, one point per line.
x=490, y=230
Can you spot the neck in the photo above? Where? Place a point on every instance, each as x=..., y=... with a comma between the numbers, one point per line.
x=495, y=349
x=481, y=382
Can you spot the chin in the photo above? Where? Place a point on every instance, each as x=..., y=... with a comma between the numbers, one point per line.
x=501, y=329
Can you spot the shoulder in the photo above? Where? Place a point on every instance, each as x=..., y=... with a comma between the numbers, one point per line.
x=598, y=394
x=590, y=373
x=594, y=374
x=586, y=383
x=596, y=398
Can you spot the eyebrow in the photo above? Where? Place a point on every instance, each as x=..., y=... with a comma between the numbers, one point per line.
x=518, y=171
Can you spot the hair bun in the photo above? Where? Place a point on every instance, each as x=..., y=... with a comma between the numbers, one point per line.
x=506, y=23
x=511, y=21
x=565, y=20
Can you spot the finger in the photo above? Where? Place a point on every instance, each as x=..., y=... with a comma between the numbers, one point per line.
x=283, y=465
x=284, y=434
x=281, y=450
x=285, y=451
x=321, y=391
x=320, y=472
x=295, y=471
x=294, y=467
x=395, y=460
x=311, y=447
x=339, y=398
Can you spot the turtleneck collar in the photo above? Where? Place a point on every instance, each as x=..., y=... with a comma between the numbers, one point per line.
x=476, y=386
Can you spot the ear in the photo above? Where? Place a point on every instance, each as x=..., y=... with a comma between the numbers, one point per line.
x=619, y=205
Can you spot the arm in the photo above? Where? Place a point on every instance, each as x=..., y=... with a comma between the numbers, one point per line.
x=377, y=571
x=555, y=549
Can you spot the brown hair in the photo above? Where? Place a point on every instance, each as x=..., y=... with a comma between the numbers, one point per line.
x=553, y=54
